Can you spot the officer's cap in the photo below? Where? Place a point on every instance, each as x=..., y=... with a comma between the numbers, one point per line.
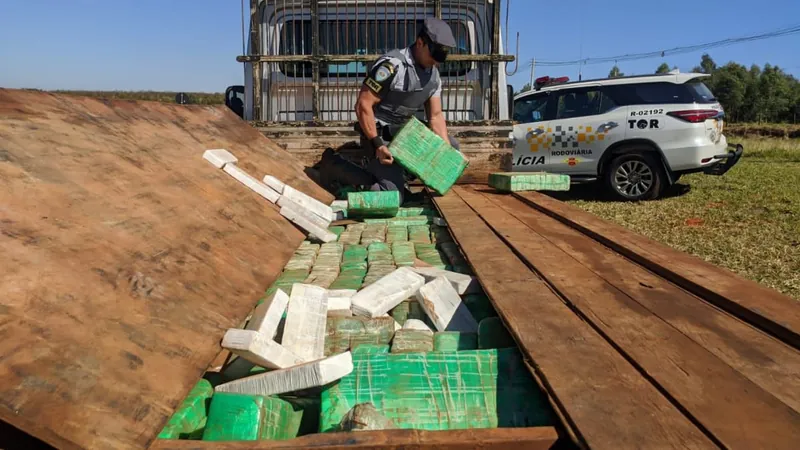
x=439, y=32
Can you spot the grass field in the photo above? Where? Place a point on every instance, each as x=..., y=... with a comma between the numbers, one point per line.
x=747, y=220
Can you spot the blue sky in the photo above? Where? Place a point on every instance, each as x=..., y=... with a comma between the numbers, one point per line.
x=191, y=45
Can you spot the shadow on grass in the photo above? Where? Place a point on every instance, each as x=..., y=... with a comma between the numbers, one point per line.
x=595, y=192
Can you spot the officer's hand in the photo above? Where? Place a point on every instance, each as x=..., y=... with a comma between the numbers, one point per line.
x=384, y=155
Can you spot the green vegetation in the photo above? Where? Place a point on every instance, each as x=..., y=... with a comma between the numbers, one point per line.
x=195, y=98
x=747, y=221
x=755, y=94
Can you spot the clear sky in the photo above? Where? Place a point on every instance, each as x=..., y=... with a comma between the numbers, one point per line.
x=191, y=45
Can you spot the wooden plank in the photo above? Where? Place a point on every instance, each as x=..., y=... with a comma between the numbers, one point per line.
x=731, y=407
x=539, y=438
x=765, y=308
x=125, y=257
x=605, y=400
x=771, y=364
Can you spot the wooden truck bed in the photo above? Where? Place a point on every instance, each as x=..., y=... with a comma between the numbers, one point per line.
x=126, y=256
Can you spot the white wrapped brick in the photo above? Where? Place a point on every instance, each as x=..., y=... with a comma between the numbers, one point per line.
x=305, y=376
x=274, y=183
x=339, y=204
x=309, y=203
x=267, y=315
x=386, y=293
x=417, y=325
x=339, y=302
x=255, y=185
x=304, y=331
x=443, y=305
x=286, y=202
x=464, y=284
x=259, y=349
x=301, y=218
x=219, y=157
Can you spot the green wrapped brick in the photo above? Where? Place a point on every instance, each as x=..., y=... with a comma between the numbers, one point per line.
x=409, y=221
x=479, y=306
x=337, y=230
x=395, y=233
x=412, y=211
x=375, y=232
x=452, y=341
x=492, y=333
x=373, y=204
x=423, y=153
x=347, y=333
x=419, y=234
x=370, y=349
x=537, y=181
x=239, y=417
x=189, y=420
x=429, y=254
x=406, y=341
x=440, y=391
x=403, y=254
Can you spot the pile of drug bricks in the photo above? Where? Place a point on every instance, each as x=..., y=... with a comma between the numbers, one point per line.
x=374, y=325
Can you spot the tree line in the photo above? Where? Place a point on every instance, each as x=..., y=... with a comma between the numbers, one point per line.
x=762, y=95
x=757, y=94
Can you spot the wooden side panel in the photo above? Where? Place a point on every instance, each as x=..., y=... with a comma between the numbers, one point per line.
x=773, y=365
x=540, y=438
x=606, y=401
x=125, y=256
x=765, y=308
x=730, y=406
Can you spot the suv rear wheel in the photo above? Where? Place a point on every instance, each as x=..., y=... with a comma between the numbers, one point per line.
x=634, y=177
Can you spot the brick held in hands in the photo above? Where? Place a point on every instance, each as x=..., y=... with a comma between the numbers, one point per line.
x=386, y=293
x=463, y=284
x=259, y=349
x=443, y=305
x=301, y=218
x=276, y=184
x=305, y=376
x=538, y=181
x=219, y=157
x=373, y=203
x=423, y=153
x=267, y=315
x=304, y=332
x=254, y=185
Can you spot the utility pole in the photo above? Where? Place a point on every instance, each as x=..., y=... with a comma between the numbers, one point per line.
x=533, y=71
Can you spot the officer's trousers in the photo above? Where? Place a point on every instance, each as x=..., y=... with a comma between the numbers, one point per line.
x=374, y=176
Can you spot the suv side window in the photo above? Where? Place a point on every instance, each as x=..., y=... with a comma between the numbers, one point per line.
x=583, y=102
x=531, y=109
x=652, y=93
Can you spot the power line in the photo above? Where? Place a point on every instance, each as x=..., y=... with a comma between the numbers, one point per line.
x=676, y=50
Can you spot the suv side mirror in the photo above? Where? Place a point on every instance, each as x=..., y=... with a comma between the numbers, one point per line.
x=234, y=99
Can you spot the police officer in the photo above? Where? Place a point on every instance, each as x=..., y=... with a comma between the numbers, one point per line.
x=398, y=85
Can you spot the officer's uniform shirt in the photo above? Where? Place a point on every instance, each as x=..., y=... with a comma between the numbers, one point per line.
x=402, y=85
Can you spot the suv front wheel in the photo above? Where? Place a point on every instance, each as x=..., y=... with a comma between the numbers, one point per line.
x=634, y=177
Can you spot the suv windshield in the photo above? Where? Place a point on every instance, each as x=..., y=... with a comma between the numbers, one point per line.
x=701, y=92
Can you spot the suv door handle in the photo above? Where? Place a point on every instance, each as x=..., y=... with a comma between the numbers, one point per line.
x=535, y=132
x=607, y=126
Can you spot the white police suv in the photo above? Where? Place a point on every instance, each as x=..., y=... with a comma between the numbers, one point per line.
x=637, y=135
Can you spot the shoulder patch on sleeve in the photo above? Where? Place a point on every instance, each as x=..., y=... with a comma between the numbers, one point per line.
x=380, y=76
